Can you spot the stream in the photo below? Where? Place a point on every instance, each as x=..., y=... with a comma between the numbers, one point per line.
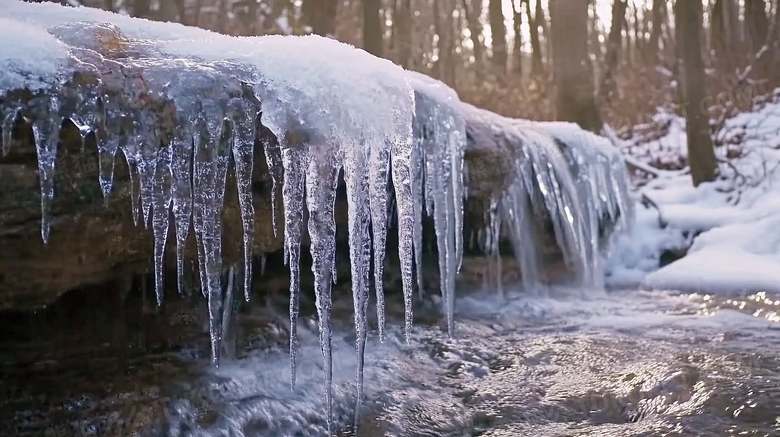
x=623, y=363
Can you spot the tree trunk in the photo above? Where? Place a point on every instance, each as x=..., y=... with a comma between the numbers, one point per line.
x=613, y=51
x=320, y=15
x=756, y=22
x=517, y=48
x=537, y=66
x=475, y=28
x=541, y=21
x=141, y=8
x=701, y=154
x=659, y=7
x=575, y=98
x=718, y=34
x=444, y=67
x=403, y=15
x=498, y=34
x=372, y=28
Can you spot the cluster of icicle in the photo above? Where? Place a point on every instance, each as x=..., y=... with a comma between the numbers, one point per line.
x=564, y=175
x=184, y=170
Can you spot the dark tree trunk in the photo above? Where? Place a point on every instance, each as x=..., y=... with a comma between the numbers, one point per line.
x=141, y=8
x=472, y=20
x=372, y=28
x=444, y=68
x=517, y=49
x=168, y=11
x=403, y=15
x=718, y=34
x=498, y=34
x=701, y=154
x=321, y=16
x=659, y=7
x=575, y=100
x=756, y=22
x=613, y=51
x=537, y=67
x=541, y=22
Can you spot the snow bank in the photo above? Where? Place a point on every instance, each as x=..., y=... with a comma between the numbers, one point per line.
x=734, y=225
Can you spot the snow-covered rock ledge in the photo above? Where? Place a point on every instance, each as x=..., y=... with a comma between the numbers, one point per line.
x=152, y=109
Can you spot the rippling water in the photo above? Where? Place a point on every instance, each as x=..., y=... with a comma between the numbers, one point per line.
x=625, y=364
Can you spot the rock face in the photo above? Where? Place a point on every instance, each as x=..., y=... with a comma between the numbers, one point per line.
x=114, y=91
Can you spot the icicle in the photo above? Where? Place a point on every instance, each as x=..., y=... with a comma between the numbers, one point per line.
x=321, y=179
x=8, y=125
x=129, y=150
x=212, y=158
x=227, y=315
x=107, y=146
x=379, y=161
x=273, y=159
x=147, y=164
x=456, y=152
x=295, y=160
x=418, y=194
x=517, y=214
x=262, y=264
x=356, y=175
x=243, y=156
x=495, y=245
x=202, y=174
x=181, y=191
x=46, y=133
x=401, y=157
x=161, y=197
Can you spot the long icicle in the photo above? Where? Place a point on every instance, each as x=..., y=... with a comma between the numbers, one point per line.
x=357, y=179
x=294, y=159
x=379, y=161
x=322, y=173
x=401, y=161
x=161, y=196
x=181, y=165
x=243, y=157
x=46, y=133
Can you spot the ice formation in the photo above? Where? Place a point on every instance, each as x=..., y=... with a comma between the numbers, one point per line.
x=184, y=105
x=440, y=134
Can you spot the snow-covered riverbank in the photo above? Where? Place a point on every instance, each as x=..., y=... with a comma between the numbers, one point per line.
x=732, y=225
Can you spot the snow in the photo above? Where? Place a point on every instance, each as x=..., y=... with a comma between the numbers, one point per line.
x=29, y=57
x=731, y=225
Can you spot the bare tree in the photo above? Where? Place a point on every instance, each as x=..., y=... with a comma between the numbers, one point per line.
x=575, y=100
x=537, y=67
x=320, y=15
x=372, y=27
x=613, y=51
x=701, y=154
x=403, y=21
x=659, y=8
x=498, y=34
x=472, y=9
x=517, y=48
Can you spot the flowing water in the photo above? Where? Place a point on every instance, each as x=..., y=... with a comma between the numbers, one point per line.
x=627, y=363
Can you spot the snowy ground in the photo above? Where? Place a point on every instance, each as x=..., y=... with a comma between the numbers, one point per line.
x=732, y=225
